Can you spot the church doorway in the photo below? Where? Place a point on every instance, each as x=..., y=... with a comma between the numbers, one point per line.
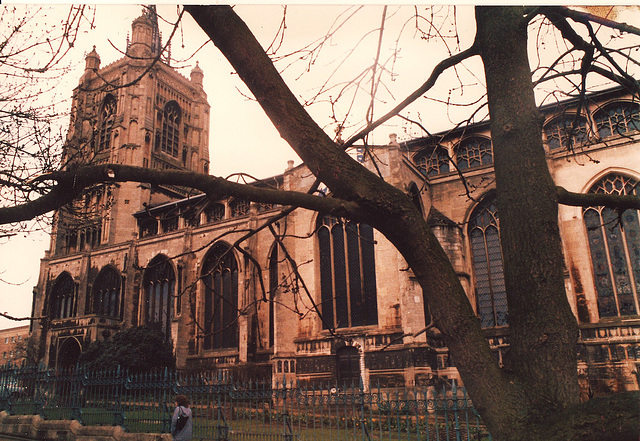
x=68, y=353
x=348, y=366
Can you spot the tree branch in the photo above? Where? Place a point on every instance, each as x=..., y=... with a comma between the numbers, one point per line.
x=71, y=183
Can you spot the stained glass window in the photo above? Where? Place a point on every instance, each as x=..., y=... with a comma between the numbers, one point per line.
x=220, y=280
x=560, y=131
x=347, y=273
x=433, y=161
x=484, y=233
x=615, y=250
x=170, y=137
x=63, y=297
x=474, y=152
x=619, y=118
x=106, y=293
x=159, y=285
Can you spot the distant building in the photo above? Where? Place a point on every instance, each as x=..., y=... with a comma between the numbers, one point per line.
x=134, y=254
x=10, y=341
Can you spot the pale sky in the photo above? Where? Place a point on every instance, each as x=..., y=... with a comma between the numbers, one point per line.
x=242, y=138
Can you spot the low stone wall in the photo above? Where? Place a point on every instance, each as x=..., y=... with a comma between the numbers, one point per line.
x=34, y=427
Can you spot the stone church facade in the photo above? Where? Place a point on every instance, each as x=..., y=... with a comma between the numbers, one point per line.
x=319, y=298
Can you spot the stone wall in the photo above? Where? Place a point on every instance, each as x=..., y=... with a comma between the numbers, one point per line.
x=34, y=427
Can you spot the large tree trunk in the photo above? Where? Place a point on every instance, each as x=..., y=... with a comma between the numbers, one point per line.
x=543, y=328
x=541, y=376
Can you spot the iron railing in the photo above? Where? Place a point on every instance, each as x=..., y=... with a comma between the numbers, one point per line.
x=257, y=410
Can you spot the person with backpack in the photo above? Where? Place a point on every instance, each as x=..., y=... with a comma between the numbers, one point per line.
x=182, y=421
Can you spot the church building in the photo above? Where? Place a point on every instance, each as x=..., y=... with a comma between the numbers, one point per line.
x=319, y=298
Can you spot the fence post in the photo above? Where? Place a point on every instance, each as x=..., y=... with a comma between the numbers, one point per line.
x=223, y=429
x=363, y=420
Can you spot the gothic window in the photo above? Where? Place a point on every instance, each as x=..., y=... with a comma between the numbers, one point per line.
x=618, y=118
x=239, y=207
x=169, y=224
x=474, y=152
x=170, y=138
x=564, y=129
x=105, y=123
x=274, y=283
x=214, y=213
x=63, y=297
x=148, y=227
x=484, y=234
x=159, y=285
x=347, y=273
x=433, y=161
x=220, y=281
x=615, y=250
x=106, y=293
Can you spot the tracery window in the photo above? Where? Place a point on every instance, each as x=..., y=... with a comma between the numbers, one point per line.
x=239, y=207
x=347, y=273
x=106, y=293
x=63, y=297
x=220, y=280
x=560, y=130
x=105, y=123
x=159, y=286
x=170, y=137
x=619, y=118
x=615, y=249
x=433, y=161
x=484, y=234
x=474, y=152
x=214, y=213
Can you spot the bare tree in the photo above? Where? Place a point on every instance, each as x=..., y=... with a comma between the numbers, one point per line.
x=535, y=396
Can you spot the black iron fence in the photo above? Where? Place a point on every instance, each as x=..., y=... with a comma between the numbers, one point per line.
x=257, y=410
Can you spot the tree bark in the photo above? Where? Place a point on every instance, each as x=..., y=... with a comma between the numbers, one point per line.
x=543, y=352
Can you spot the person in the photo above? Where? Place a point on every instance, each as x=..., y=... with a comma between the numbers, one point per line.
x=182, y=429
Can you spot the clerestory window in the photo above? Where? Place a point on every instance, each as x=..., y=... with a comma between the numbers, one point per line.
x=617, y=119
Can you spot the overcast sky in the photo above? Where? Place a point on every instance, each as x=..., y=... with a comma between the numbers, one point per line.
x=242, y=138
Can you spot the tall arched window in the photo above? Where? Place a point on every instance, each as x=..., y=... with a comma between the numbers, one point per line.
x=484, y=234
x=474, y=152
x=619, y=118
x=159, y=285
x=105, y=123
x=433, y=161
x=220, y=281
x=615, y=250
x=170, y=137
x=347, y=273
x=106, y=293
x=274, y=283
x=63, y=297
x=560, y=130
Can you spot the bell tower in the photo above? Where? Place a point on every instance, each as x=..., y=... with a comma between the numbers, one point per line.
x=137, y=111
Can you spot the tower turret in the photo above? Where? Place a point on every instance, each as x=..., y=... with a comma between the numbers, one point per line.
x=197, y=75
